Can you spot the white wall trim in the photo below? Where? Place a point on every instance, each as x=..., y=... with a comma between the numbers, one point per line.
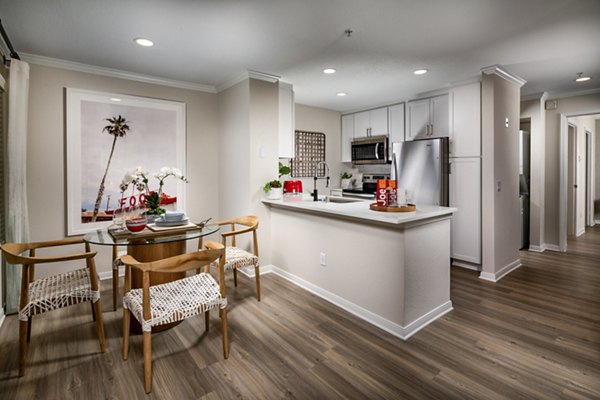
x=465, y=264
x=2, y=316
x=580, y=232
x=495, y=277
x=497, y=70
x=537, y=249
x=403, y=332
x=263, y=76
x=114, y=73
x=563, y=147
x=552, y=247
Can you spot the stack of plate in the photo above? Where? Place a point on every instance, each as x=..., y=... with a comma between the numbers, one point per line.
x=172, y=218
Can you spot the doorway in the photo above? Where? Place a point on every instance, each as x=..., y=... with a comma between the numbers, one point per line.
x=572, y=171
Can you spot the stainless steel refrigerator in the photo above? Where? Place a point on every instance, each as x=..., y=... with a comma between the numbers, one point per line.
x=421, y=168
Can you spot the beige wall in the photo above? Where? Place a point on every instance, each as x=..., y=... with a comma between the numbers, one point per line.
x=46, y=144
x=314, y=119
x=500, y=165
x=569, y=106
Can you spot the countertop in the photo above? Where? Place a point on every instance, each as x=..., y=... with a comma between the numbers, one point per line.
x=359, y=210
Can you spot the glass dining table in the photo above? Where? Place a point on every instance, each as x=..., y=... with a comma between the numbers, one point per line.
x=146, y=246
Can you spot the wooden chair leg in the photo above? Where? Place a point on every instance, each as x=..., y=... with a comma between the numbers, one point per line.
x=257, y=276
x=115, y=285
x=126, y=319
x=235, y=277
x=29, y=323
x=223, y=315
x=206, y=320
x=22, y=346
x=93, y=311
x=97, y=307
x=148, y=361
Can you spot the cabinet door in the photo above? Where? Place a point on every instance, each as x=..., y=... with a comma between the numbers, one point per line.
x=396, y=123
x=466, y=121
x=440, y=116
x=347, y=136
x=362, y=124
x=379, y=121
x=465, y=194
x=417, y=119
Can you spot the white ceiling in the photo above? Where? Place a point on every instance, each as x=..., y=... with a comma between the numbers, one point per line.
x=212, y=42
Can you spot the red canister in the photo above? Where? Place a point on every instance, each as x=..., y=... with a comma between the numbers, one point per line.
x=292, y=187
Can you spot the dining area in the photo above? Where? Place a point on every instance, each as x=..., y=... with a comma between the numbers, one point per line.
x=171, y=274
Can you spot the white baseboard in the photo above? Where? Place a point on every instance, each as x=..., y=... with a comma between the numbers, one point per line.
x=246, y=271
x=495, y=277
x=552, y=247
x=580, y=232
x=537, y=249
x=106, y=275
x=403, y=332
x=2, y=316
x=467, y=265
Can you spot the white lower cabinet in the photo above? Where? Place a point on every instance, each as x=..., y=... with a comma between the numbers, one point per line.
x=465, y=194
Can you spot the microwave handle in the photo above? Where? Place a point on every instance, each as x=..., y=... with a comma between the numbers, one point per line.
x=376, y=151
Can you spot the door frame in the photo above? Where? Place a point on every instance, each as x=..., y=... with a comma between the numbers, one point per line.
x=589, y=179
x=572, y=175
x=562, y=177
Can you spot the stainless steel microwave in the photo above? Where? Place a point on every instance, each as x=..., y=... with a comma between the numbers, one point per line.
x=370, y=150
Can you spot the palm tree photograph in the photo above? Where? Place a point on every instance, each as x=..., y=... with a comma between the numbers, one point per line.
x=110, y=135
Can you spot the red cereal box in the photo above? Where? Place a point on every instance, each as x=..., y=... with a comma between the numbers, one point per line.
x=381, y=193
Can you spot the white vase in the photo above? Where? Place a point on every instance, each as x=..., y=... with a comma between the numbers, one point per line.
x=275, y=193
x=346, y=183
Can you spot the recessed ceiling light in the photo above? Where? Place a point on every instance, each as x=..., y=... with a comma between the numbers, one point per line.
x=114, y=99
x=420, y=71
x=581, y=78
x=144, y=42
x=329, y=71
x=341, y=94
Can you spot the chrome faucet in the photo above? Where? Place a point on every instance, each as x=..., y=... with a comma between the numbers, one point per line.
x=315, y=193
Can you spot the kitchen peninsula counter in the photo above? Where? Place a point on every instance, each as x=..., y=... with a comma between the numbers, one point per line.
x=390, y=269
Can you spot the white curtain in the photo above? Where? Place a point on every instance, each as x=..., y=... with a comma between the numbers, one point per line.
x=17, y=216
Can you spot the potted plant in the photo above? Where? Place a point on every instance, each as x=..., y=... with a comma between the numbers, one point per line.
x=273, y=189
x=346, y=179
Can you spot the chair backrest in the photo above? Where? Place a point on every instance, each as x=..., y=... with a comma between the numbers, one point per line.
x=250, y=222
x=180, y=263
x=13, y=251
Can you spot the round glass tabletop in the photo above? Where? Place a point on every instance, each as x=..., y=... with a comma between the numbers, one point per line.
x=108, y=238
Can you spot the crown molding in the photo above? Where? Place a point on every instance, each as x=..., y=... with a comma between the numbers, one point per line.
x=562, y=95
x=497, y=70
x=263, y=76
x=114, y=73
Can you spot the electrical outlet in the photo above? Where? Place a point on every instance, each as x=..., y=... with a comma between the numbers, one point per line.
x=323, y=259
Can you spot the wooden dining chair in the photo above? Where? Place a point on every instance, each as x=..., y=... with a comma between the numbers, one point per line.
x=174, y=301
x=55, y=291
x=236, y=257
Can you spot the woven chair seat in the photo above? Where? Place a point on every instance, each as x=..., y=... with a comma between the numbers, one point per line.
x=59, y=291
x=238, y=258
x=176, y=301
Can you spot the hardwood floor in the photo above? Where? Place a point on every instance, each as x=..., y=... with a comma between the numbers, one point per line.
x=533, y=335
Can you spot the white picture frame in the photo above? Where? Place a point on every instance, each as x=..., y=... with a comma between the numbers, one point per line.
x=156, y=139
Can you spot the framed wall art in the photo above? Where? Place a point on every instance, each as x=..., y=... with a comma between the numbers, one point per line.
x=108, y=136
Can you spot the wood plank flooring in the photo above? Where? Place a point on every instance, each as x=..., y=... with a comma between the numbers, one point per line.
x=533, y=335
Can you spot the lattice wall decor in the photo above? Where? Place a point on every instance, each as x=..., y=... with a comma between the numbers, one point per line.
x=310, y=150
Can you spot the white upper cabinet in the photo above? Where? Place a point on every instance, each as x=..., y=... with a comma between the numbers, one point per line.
x=347, y=136
x=428, y=118
x=371, y=123
x=286, y=120
x=466, y=121
x=396, y=123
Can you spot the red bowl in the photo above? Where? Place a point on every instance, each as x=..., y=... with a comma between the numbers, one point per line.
x=292, y=187
x=136, y=224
